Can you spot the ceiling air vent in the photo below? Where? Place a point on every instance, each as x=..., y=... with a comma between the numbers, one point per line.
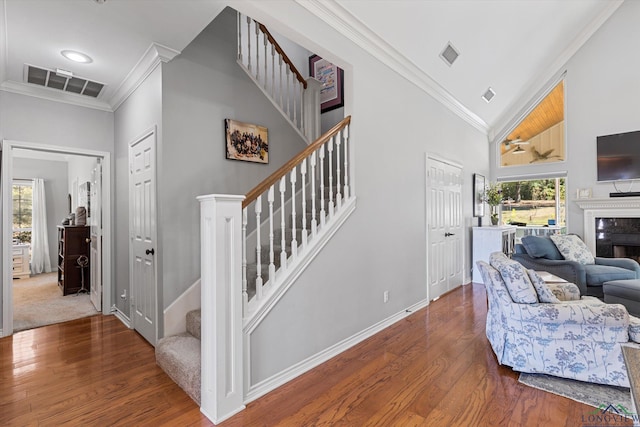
x=65, y=81
x=449, y=54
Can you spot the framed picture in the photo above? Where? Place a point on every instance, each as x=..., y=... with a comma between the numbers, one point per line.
x=245, y=141
x=331, y=77
x=478, y=195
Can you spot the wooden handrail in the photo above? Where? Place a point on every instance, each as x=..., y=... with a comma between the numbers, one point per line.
x=284, y=55
x=295, y=161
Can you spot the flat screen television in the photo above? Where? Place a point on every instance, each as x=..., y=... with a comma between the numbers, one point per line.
x=618, y=156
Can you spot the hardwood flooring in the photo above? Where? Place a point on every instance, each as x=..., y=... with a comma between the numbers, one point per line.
x=433, y=368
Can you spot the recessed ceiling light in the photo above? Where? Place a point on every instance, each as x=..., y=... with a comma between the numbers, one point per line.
x=76, y=56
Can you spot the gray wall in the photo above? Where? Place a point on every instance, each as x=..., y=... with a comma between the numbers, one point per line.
x=201, y=87
x=55, y=178
x=602, y=96
x=382, y=246
x=140, y=112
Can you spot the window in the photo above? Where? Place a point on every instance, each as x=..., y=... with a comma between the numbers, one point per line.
x=22, y=211
x=539, y=138
x=536, y=206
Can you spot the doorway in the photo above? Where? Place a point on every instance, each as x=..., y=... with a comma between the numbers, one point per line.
x=444, y=227
x=12, y=152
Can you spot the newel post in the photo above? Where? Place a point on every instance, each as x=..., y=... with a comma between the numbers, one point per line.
x=222, y=393
x=311, y=108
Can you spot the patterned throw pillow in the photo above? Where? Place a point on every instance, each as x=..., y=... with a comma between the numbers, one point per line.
x=515, y=277
x=544, y=293
x=572, y=248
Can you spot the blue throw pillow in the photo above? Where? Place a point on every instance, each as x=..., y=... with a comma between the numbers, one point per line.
x=541, y=247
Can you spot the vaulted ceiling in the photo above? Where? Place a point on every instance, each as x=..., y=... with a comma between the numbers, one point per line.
x=515, y=47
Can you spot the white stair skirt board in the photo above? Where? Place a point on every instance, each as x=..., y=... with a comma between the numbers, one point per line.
x=300, y=368
x=175, y=315
x=121, y=316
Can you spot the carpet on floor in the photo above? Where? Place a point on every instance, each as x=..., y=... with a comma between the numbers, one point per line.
x=596, y=395
x=37, y=301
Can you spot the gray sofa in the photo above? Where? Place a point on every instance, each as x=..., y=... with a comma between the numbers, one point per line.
x=540, y=253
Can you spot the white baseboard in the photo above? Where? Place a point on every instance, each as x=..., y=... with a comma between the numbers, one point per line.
x=300, y=368
x=175, y=320
x=120, y=315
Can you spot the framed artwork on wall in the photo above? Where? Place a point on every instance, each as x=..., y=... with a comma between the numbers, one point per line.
x=331, y=77
x=478, y=195
x=247, y=142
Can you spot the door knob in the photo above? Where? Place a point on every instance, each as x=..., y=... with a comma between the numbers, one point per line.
x=88, y=240
x=448, y=234
x=150, y=251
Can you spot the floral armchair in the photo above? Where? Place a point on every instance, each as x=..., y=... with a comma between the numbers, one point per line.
x=543, y=328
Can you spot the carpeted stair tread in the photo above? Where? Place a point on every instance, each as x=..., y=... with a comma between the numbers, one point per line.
x=193, y=323
x=179, y=356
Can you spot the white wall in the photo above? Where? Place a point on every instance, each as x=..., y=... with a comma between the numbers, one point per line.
x=602, y=96
x=201, y=87
x=55, y=178
x=382, y=245
x=140, y=112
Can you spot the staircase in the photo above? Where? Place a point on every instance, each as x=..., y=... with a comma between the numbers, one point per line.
x=179, y=356
x=249, y=260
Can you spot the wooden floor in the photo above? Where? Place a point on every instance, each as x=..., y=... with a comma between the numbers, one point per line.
x=433, y=368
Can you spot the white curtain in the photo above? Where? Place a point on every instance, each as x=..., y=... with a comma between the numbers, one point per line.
x=40, y=261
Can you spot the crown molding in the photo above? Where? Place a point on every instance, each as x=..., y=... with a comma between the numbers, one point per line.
x=54, y=95
x=528, y=101
x=349, y=26
x=4, y=42
x=155, y=54
x=610, y=203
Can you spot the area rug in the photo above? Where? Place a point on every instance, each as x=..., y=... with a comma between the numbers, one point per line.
x=37, y=301
x=596, y=395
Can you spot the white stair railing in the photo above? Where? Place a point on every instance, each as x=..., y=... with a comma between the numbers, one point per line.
x=262, y=58
x=300, y=226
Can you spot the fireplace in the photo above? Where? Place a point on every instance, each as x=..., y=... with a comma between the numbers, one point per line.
x=612, y=226
x=618, y=237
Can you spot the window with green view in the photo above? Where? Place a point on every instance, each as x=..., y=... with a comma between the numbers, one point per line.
x=22, y=211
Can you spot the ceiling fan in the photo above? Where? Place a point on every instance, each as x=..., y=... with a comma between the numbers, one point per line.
x=538, y=156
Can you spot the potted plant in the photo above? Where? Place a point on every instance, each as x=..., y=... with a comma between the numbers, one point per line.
x=493, y=197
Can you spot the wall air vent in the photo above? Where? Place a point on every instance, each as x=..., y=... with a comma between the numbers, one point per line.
x=488, y=95
x=65, y=81
x=449, y=54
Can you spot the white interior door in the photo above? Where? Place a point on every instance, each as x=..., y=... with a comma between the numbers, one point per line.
x=444, y=227
x=95, y=223
x=142, y=233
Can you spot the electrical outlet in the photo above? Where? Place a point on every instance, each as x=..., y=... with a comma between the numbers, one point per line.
x=385, y=296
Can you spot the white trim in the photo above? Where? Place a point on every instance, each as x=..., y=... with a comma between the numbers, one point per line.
x=336, y=16
x=628, y=207
x=154, y=55
x=121, y=316
x=311, y=362
x=175, y=320
x=6, y=202
x=55, y=95
x=4, y=44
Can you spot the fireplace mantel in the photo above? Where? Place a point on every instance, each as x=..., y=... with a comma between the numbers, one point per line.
x=614, y=207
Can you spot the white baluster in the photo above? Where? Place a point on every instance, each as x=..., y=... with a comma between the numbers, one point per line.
x=264, y=37
x=288, y=92
x=258, y=249
x=281, y=89
x=294, y=241
x=273, y=71
x=295, y=99
x=240, y=37
x=303, y=174
x=330, y=155
x=345, y=133
x=302, y=125
x=272, y=266
x=248, y=43
x=314, y=221
x=257, y=50
x=322, y=211
x=338, y=190
x=283, y=240
x=245, y=294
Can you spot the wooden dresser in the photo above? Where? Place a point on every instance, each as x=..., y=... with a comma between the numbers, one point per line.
x=72, y=243
x=20, y=260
